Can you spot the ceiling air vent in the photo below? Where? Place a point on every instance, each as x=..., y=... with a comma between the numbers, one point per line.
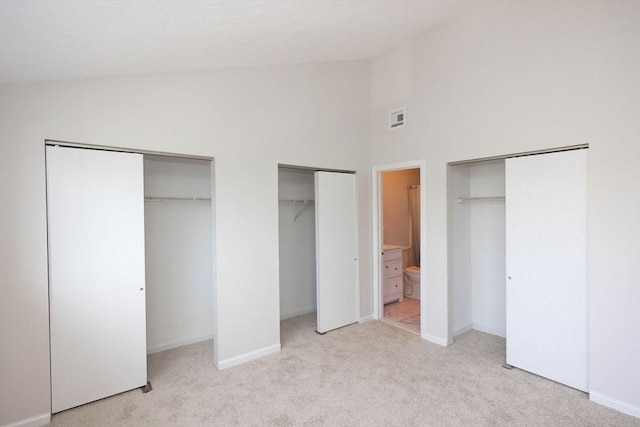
x=396, y=118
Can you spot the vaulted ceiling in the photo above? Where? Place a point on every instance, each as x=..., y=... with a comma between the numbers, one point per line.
x=73, y=39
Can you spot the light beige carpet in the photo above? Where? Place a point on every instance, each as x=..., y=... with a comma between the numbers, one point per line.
x=371, y=374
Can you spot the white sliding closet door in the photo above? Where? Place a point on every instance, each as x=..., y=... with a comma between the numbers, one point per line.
x=336, y=260
x=546, y=225
x=95, y=202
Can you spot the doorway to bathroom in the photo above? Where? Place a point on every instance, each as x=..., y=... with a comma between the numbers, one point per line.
x=398, y=242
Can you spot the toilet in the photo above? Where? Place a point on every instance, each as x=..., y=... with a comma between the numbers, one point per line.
x=412, y=282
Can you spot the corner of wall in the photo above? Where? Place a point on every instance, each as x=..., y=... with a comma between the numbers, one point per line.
x=437, y=340
x=247, y=357
x=366, y=319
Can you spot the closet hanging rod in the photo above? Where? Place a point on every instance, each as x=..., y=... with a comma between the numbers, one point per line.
x=488, y=199
x=172, y=199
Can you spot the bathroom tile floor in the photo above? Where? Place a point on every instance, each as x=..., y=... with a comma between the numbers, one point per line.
x=405, y=314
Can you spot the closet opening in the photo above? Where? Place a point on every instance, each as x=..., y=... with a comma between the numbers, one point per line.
x=398, y=241
x=178, y=251
x=317, y=248
x=477, y=247
x=517, y=258
x=131, y=259
x=297, y=243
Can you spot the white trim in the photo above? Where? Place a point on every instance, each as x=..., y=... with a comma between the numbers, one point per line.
x=357, y=242
x=490, y=331
x=357, y=254
x=436, y=340
x=37, y=421
x=520, y=154
x=375, y=240
x=298, y=313
x=180, y=343
x=463, y=329
x=124, y=150
x=247, y=357
x=376, y=208
x=626, y=408
x=366, y=319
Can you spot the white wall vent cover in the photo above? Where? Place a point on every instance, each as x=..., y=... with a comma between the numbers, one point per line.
x=396, y=118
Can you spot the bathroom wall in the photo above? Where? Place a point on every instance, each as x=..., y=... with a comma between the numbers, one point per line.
x=297, y=243
x=395, y=205
x=178, y=253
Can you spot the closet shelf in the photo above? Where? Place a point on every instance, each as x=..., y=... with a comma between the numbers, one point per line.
x=488, y=199
x=176, y=199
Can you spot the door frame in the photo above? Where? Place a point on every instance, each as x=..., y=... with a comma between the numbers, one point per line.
x=377, y=235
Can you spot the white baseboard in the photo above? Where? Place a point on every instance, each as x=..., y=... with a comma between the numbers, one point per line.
x=37, y=421
x=436, y=340
x=626, y=408
x=488, y=330
x=463, y=329
x=366, y=319
x=298, y=313
x=176, y=344
x=247, y=357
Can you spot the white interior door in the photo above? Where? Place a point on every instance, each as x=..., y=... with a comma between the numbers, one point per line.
x=95, y=202
x=546, y=225
x=336, y=253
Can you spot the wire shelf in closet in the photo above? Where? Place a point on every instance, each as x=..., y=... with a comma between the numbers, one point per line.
x=488, y=199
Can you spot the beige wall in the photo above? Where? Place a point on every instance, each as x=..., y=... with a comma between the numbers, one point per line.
x=395, y=205
x=247, y=120
x=514, y=76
